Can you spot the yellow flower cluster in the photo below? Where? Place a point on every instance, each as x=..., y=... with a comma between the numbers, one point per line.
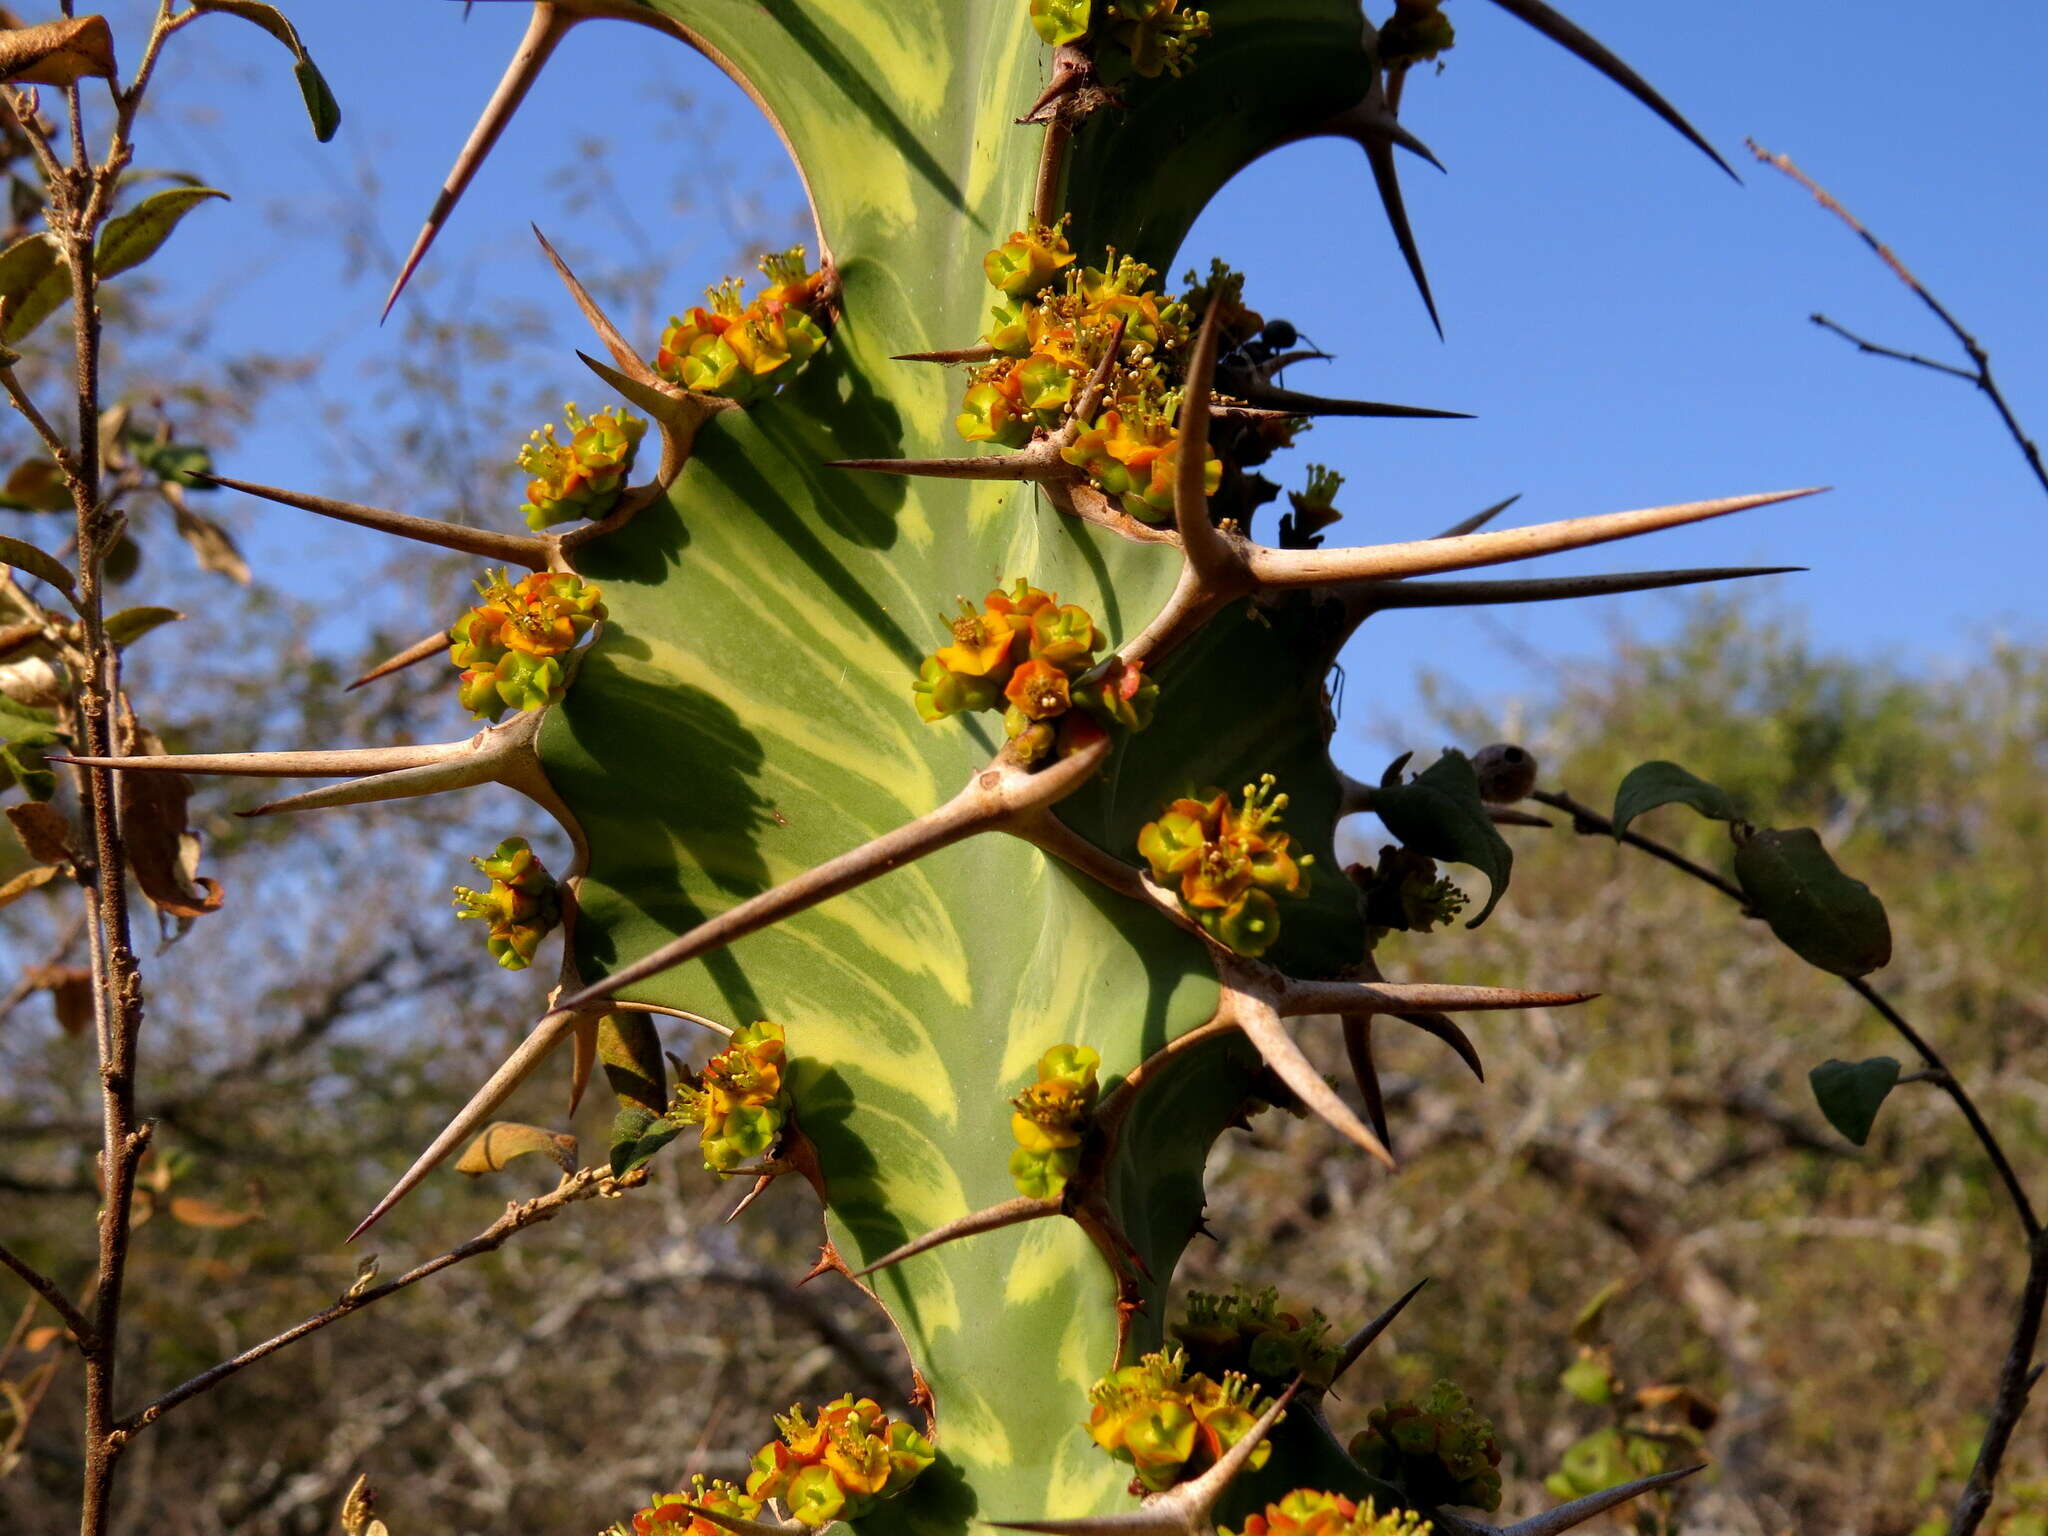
x=521, y=906
x=1228, y=863
x=1171, y=1424
x=840, y=1466
x=1050, y=1118
x=509, y=647
x=746, y=350
x=1246, y=1330
x=1033, y=657
x=739, y=1099
x=1307, y=1512
x=668, y=1514
x=584, y=476
x=1151, y=37
x=1052, y=329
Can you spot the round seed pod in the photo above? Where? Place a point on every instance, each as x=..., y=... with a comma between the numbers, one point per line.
x=1506, y=773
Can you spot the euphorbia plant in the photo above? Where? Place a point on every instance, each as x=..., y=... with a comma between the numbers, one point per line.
x=1020, y=979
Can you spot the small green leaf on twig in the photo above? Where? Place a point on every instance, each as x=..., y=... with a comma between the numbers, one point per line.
x=133, y=237
x=636, y=1136
x=1820, y=914
x=320, y=104
x=33, y=283
x=498, y=1143
x=26, y=557
x=131, y=624
x=58, y=52
x=36, y=485
x=1439, y=813
x=1650, y=785
x=1851, y=1092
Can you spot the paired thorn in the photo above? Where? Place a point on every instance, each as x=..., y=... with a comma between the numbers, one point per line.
x=993, y=797
x=1210, y=557
x=1358, y=1050
x=622, y=352
x=433, y=645
x=1261, y=1025
x=1292, y=402
x=1574, y=40
x=551, y=22
x=1402, y=998
x=1381, y=596
x=499, y=1087
x=981, y=352
x=1008, y=1214
x=510, y=548
x=1554, y=1522
x=375, y=773
x=1379, y=156
x=1479, y=519
x=1364, y=1339
x=1183, y=1510
x=1420, y=557
x=761, y=1183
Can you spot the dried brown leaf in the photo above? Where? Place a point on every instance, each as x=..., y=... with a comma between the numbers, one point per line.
x=194, y=1212
x=212, y=544
x=70, y=989
x=58, y=52
x=36, y=1340
x=498, y=1143
x=44, y=831
x=153, y=819
x=25, y=882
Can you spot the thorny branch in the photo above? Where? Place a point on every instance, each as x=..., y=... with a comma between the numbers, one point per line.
x=587, y=1184
x=1979, y=371
x=2018, y=1374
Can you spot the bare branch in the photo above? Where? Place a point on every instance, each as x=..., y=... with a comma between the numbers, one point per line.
x=587, y=1184
x=48, y=1289
x=1978, y=374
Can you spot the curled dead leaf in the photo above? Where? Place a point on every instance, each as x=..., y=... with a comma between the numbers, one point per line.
x=211, y=544
x=193, y=1212
x=70, y=989
x=44, y=831
x=36, y=1340
x=161, y=851
x=58, y=52
x=25, y=882
x=498, y=1143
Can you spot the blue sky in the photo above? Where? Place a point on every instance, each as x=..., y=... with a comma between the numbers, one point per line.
x=1627, y=323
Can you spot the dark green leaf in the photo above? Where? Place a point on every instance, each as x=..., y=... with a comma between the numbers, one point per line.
x=131, y=624
x=33, y=283
x=26, y=557
x=176, y=462
x=1439, y=813
x=321, y=106
x=1650, y=785
x=22, y=763
x=36, y=485
x=636, y=1136
x=1850, y=1093
x=133, y=237
x=1817, y=912
x=320, y=103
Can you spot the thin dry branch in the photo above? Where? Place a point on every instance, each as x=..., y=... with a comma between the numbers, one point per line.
x=1979, y=371
x=586, y=1184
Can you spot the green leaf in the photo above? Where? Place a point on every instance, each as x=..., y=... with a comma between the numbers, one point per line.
x=26, y=557
x=1439, y=813
x=133, y=237
x=33, y=282
x=637, y=1135
x=179, y=463
x=320, y=103
x=36, y=485
x=1850, y=1093
x=1820, y=914
x=321, y=106
x=1650, y=785
x=131, y=624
